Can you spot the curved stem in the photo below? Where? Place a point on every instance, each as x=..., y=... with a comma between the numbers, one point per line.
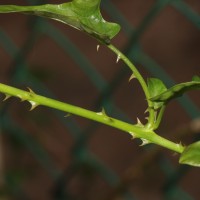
x=134, y=130
x=159, y=118
x=141, y=80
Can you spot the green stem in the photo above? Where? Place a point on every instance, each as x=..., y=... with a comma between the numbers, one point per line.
x=132, y=67
x=134, y=130
x=159, y=118
x=141, y=80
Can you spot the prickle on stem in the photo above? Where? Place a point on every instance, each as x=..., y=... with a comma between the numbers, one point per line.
x=118, y=58
x=139, y=123
x=131, y=77
x=67, y=115
x=133, y=135
x=7, y=96
x=33, y=105
x=98, y=46
x=30, y=90
x=145, y=142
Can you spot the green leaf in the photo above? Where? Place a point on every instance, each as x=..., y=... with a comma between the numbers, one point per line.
x=156, y=87
x=191, y=155
x=83, y=15
x=177, y=90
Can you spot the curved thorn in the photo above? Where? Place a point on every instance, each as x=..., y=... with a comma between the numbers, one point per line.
x=98, y=47
x=33, y=105
x=144, y=142
x=7, y=96
x=68, y=115
x=118, y=58
x=30, y=90
x=132, y=77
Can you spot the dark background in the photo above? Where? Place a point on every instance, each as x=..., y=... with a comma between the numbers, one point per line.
x=46, y=156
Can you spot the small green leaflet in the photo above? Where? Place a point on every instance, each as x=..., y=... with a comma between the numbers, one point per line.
x=83, y=15
x=191, y=155
x=176, y=91
x=155, y=88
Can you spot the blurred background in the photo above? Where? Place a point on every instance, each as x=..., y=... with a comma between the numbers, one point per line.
x=44, y=155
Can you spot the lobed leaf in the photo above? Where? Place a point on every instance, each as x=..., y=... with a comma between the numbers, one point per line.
x=83, y=15
x=177, y=91
x=191, y=155
x=156, y=87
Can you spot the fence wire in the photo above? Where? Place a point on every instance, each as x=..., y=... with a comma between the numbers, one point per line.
x=85, y=174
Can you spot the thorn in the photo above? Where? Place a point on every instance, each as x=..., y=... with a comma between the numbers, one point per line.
x=99, y=113
x=180, y=144
x=139, y=122
x=7, y=96
x=106, y=117
x=22, y=98
x=33, y=105
x=67, y=115
x=146, y=111
x=133, y=135
x=144, y=142
x=103, y=112
x=118, y=58
x=98, y=47
x=30, y=90
x=132, y=77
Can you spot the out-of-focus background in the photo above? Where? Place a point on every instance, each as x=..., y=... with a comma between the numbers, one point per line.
x=44, y=155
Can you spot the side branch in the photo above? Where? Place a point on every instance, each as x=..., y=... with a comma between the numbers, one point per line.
x=141, y=80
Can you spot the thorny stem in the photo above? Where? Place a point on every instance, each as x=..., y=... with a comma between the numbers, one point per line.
x=135, y=130
x=141, y=80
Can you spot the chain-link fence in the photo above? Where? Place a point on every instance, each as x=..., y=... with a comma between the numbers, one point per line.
x=44, y=155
